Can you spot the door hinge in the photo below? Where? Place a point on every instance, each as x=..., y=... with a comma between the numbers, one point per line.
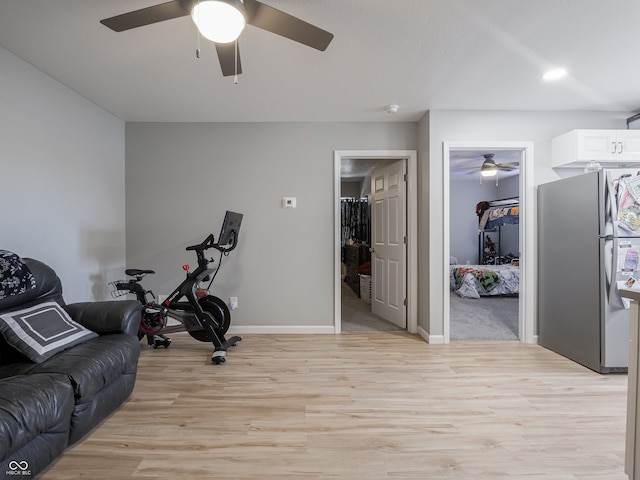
x=405, y=239
x=405, y=302
x=405, y=177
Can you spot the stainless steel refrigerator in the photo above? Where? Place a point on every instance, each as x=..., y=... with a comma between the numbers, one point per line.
x=588, y=247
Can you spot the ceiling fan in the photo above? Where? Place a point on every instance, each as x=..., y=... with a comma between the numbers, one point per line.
x=250, y=12
x=488, y=168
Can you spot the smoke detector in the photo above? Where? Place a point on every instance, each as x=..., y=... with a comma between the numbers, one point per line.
x=392, y=108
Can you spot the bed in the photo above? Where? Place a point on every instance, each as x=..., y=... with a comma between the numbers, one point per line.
x=496, y=216
x=492, y=216
x=475, y=281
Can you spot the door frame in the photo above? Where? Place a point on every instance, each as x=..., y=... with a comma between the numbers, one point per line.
x=411, y=159
x=527, y=303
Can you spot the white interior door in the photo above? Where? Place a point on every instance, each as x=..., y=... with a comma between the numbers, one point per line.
x=388, y=253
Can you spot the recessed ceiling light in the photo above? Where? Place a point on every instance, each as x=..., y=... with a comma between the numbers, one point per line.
x=555, y=74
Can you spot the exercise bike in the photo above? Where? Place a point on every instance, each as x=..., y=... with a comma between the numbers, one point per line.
x=205, y=317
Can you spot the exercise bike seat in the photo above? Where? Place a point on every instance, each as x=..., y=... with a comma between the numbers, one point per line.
x=134, y=272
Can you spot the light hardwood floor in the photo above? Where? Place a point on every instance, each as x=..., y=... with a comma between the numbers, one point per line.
x=360, y=405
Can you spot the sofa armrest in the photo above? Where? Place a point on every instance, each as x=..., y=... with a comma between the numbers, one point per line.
x=107, y=317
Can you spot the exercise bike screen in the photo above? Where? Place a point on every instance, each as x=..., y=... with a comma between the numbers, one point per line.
x=230, y=227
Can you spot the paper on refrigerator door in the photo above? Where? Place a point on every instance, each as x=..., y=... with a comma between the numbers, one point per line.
x=623, y=248
x=628, y=258
x=628, y=205
x=633, y=186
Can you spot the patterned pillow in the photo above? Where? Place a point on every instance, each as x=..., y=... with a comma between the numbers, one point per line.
x=15, y=276
x=41, y=331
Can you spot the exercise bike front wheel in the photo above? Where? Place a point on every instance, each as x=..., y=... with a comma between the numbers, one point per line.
x=220, y=312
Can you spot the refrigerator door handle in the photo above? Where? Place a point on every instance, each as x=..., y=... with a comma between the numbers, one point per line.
x=610, y=274
x=612, y=203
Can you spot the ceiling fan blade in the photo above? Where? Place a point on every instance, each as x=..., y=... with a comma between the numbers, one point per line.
x=227, y=58
x=281, y=23
x=146, y=16
x=464, y=170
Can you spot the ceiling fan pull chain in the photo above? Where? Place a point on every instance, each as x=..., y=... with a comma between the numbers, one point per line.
x=198, y=34
x=235, y=77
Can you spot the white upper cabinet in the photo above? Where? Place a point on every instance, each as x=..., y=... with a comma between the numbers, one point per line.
x=608, y=147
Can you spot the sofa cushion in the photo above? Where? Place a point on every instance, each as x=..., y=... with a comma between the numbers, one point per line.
x=90, y=366
x=41, y=331
x=32, y=405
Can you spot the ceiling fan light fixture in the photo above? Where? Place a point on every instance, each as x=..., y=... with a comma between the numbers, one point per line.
x=218, y=20
x=489, y=169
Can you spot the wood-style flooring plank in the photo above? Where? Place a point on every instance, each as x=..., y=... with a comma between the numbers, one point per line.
x=360, y=405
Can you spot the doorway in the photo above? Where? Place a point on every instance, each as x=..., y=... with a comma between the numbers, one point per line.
x=526, y=307
x=409, y=158
x=484, y=244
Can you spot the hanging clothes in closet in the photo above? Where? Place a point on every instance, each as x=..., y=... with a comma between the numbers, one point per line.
x=355, y=220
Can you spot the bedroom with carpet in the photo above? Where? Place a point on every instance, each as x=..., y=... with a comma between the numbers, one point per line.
x=484, y=272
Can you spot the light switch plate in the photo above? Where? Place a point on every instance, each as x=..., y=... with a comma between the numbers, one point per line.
x=289, y=202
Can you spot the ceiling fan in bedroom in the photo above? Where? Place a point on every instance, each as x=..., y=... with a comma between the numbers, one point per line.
x=222, y=21
x=488, y=168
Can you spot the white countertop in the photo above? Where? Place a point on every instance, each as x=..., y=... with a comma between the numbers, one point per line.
x=632, y=294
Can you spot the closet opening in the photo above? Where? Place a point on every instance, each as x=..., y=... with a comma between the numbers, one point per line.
x=356, y=248
x=390, y=176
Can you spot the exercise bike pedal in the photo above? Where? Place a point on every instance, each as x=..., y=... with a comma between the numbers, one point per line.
x=233, y=341
x=219, y=357
x=161, y=341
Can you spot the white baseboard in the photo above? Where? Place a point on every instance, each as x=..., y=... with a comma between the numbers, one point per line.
x=280, y=329
x=432, y=339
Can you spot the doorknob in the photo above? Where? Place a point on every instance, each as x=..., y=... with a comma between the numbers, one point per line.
x=372, y=250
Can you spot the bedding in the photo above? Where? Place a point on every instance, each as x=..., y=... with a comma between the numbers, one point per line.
x=494, y=217
x=474, y=281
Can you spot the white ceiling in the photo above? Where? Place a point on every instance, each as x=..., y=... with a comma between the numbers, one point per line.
x=419, y=54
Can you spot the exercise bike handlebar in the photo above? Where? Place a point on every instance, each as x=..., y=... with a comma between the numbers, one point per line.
x=209, y=243
x=224, y=249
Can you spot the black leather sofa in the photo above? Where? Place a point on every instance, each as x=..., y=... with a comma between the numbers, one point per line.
x=52, y=402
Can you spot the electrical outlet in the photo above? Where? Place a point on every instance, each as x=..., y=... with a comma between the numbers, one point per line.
x=233, y=303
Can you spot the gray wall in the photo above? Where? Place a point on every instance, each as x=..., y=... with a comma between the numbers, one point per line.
x=65, y=161
x=509, y=235
x=351, y=188
x=439, y=126
x=464, y=195
x=180, y=179
x=62, y=170
x=463, y=228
